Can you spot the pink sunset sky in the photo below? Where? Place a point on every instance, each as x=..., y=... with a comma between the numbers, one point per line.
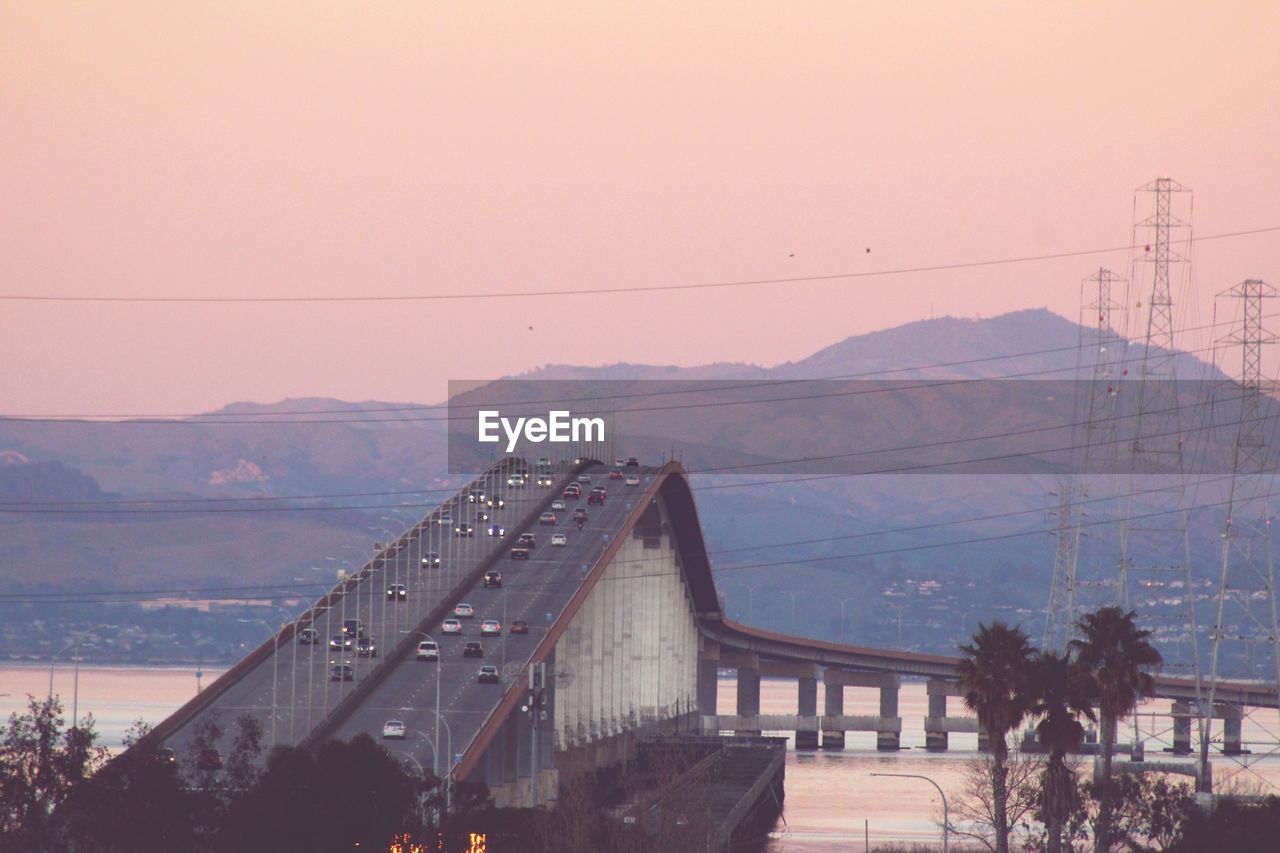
x=312, y=149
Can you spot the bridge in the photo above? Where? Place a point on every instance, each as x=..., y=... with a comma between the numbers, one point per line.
x=626, y=637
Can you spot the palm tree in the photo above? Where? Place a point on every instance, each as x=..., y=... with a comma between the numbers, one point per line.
x=1060, y=691
x=993, y=677
x=1117, y=654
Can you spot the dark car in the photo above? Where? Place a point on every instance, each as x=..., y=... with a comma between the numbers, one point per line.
x=580, y=513
x=308, y=636
x=342, y=672
x=464, y=530
x=497, y=530
x=209, y=759
x=495, y=502
x=488, y=674
x=519, y=552
x=430, y=560
x=166, y=755
x=615, y=473
x=519, y=627
x=528, y=540
x=342, y=642
x=353, y=628
x=475, y=495
x=366, y=648
x=397, y=592
x=493, y=579
x=633, y=462
x=596, y=498
x=473, y=649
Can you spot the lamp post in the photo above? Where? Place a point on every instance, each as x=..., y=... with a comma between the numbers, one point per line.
x=844, y=632
x=53, y=661
x=794, y=596
x=946, y=819
x=275, y=669
x=751, y=599
x=435, y=767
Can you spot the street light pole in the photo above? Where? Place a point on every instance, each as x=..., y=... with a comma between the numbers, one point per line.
x=946, y=818
x=275, y=669
x=54, y=660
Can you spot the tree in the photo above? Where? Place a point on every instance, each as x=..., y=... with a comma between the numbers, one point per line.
x=1117, y=654
x=973, y=813
x=993, y=672
x=40, y=765
x=1060, y=691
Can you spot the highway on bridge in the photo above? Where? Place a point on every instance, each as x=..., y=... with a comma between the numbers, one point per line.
x=303, y=692
x=535, y=591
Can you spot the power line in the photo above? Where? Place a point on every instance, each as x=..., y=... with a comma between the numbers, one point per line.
x=515, y=294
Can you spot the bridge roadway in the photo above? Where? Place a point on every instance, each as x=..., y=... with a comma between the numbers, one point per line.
x=535, y=591
x=303, y=691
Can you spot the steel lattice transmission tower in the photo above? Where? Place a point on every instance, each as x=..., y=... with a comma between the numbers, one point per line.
x=1245, y=603
x=1153, y=525
x=1101, y=349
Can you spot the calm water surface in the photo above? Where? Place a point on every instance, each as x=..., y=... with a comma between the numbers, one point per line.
x=831, y=798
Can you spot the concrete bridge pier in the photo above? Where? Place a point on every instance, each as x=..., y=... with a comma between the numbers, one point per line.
x=806, y=675
x=1232, y=719
x=833, y=706
x=935, y=725
x=1181, y=714
x=889, y=740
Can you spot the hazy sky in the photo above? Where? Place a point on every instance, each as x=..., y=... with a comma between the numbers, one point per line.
x=282, y=149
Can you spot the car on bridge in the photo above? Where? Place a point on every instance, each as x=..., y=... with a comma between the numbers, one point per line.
x=353, y=628
x=515, y=480
x=528, y=540
x=444, y=519
x=482, y=515
x=519, y=552
x=488, y=674
x=633, y=480
x=473, y=649
x=615, y=474
x=342, y=672
x=397, y=592
x=308, y=636
x=342, y=642
x=558, y=505
x=559, y=539
x=544, y=461
x=366, y=647
x=573, y=490
x=546, y=480
x=497, y=530
x=475, y=495
x=584, y=478
x=496, y=502
x=491, y=628
x=394, y=729
x=451, y=626
x=464, y=530
x=519, y=627
x=428, y=650
x=581, y=513
x=493, y=579
x=464, y=611
x=430, y=560
x=596, y=497
x=547, y=518
x=632, y=462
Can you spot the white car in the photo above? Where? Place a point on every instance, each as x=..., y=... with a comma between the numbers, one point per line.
x=394, y=729
x=464, y=611
x=445, y=520
x=633, y=480
x=491, y=628
x=429, y=649
x=558, y=504
x=584, y=478
x=451, y=626
x=559, y=539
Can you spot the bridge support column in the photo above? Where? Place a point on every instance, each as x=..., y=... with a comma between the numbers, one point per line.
x=748, y=696
x=887, y=741
x=935, y=733
x=1232, y=718
x=1181, y=713
x=833, y=706
x=708, y=687
x=808, y=707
